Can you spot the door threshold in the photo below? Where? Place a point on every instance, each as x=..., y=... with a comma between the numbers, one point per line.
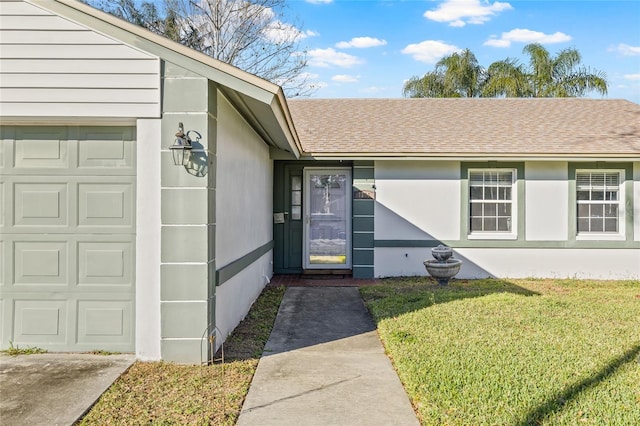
x=346, y=272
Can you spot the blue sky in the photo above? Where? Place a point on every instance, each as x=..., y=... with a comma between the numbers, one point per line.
x=368, y=48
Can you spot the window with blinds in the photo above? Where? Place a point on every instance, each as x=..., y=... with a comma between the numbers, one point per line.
x=598, y=199
x=491, y=206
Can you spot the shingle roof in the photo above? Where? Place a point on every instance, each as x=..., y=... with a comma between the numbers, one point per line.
x=443, y=127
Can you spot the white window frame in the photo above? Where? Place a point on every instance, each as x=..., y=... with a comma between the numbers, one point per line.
x=621, y=233
x=495, y=235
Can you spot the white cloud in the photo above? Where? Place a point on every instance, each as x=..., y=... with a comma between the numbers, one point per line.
x=632, y=77
x=429, y=51
x=319, y=1
x=345, y=78
x=329, y=57
x=497, y=42
x=361, y=42
x=520, y=35
x=280, y=32
x=458, y=13
x=626, y=50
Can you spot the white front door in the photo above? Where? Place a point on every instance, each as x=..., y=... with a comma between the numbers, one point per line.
x=327, y=218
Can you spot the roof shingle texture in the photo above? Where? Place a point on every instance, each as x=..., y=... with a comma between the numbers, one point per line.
x=467, y=126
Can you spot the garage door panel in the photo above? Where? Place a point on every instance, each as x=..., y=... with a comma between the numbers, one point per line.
x=3, y=204
x=101, y=148
x=68, y=204
x=67, y=237
x=106, y=205
x=41, y=204
x=101, y=321
x=67, y=151
x=40, y=321
x=41, y=147
x=68, y=262
x=3, y=265
x=107, y=264
x=44, y=263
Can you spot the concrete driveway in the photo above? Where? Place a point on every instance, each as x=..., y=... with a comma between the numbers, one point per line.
x=54, y=389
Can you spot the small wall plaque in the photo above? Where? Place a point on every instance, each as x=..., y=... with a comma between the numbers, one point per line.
x=278, y=218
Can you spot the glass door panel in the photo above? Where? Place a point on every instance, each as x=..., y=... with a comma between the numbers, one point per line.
x=328, y=218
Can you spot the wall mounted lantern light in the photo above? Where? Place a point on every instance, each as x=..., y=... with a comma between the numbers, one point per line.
x=181, y=148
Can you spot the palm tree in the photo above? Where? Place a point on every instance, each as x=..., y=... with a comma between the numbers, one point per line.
x=507, y=78
x=456, y=75
x=545, y=77
x=431, y=85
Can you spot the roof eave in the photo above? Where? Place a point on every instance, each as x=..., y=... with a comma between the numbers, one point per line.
x=467, y=156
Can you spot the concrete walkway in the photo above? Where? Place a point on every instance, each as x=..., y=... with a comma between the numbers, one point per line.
x=324, y=365
x=54, y=389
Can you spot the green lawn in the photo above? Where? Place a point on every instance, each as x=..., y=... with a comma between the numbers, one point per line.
x=163, y=393
x=516, y=352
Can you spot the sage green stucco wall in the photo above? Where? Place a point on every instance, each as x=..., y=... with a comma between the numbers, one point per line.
x=187, y=287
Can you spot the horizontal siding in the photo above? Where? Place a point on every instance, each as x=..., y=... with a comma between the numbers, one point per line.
x=53, y=67
x=48, y=22
x=77, y=110
x=88, y=81
x=18, y=8
x=64, y=95
x=58, y=37
x=70, y=51
x=120, y=67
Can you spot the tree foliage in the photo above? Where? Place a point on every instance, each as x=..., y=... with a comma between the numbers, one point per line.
x=249, y=34
x=460, y=75
x=457, y=75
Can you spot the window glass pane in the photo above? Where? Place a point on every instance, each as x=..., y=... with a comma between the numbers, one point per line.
x=296, y=213
x=296, y=183
x=504, y=209
x=582, y=195
x=504, y=178
x=476, y=209
x=489, y=224
x=583, y=225
x=490, y=186
x=611, y=225
x=296, y=197
x=476, y=224
x=597, y=180
x=504, y=193
x=602, y=189
x=504, y=224
x=476, y=193
x=491, y=193
x=597, y=210
x=583, y=210
x=476, y=178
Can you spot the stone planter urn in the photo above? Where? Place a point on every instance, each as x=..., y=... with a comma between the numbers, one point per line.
x=443, y=267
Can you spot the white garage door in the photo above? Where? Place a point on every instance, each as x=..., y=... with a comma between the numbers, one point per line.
x=67, y=245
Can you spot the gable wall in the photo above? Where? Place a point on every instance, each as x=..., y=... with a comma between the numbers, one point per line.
x=53, y=67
